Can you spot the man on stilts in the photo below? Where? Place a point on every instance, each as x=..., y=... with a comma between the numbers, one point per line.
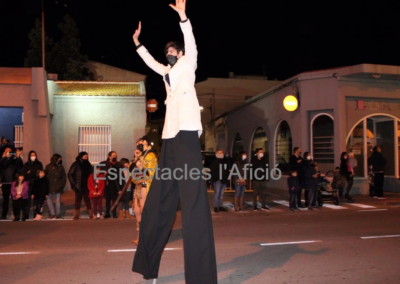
x=180, y=150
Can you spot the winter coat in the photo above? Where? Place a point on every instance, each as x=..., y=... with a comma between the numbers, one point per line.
x=40, y=188
x=216, y=167
x=24, y=193
x=30, y=169
x=96, y=185
x=238, y=166
x=9, y=167
x=259, y=164
x=56, y=176
x=112, y=186
x=75, y=174
x=377, y=161
x=344, y=168
x=309, y=180
x=293, y=184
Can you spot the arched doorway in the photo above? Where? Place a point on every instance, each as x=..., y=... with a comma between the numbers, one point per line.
x=283, y=146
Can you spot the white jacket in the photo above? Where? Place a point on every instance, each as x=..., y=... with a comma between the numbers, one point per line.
x=183, y=110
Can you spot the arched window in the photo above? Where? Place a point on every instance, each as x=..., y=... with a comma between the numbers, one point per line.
x=260, y=140
x=283, y=147
x=322, y=142
x=237, y=146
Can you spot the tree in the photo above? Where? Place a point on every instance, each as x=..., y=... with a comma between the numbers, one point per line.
x=34, y=55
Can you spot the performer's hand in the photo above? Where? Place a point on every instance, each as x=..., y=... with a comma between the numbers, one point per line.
x=137, y=34
x=180, y=7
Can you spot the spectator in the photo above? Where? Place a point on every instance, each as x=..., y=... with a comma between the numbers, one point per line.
x=10, y=165
x=239, y=181
x=132, y=165
x=19, y=192
x=30, y=172
x=296, y=164
x=294, y=187
x=219, y=177
x=123, y=204
x=111, y=162
x=338, y=181
x=4, y=145
x=3, y=141
x=378, y=162
x=310, y=181
x=40, y=192
x=138, y=200
x=229, y=162
x=78, y=176
x=57, y=178
x=96, y=193
x=347, y=172
x=259, y=179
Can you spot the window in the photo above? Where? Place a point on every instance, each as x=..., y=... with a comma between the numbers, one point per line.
x=237, y=146
x=96, y=141
x=322, y=139
x=260, y=140
x=283, y=147
x=18, y=135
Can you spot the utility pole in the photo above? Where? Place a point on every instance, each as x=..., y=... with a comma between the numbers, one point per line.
x=43, y=37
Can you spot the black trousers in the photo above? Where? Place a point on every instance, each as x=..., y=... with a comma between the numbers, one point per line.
x=259, y=189
x=378, y=184
x=180, y=152
x=292, y=199
x=350, y=181
x=38, y=203
x=312, y=196
x=6, y=188
x=18, y=205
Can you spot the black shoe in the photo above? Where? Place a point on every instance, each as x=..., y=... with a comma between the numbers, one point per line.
x=265, y=207
x=16, y=219
x=223, y=209
x=216, y=209
x=291, y=209
x=317, y=207
x=23, y=219
x=255, y=208
x=3, y=218
x=297, y=209
x=310, y=208
x=59, y=217
x=107, y=216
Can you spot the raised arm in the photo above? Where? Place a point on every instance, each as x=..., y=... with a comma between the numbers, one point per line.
x=190, y=43
x=145, y=55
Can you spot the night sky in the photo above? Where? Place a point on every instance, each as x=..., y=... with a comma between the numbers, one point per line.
x=275, y=38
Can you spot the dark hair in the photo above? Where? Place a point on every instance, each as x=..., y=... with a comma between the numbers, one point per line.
x=38, y=172
x=239, y=157
x=124, y=161
x=305, y=155
x=175, y=44
x=337, y=168
x=55, y=158
x=144, y=138
x=375, y=149
x=17, y=178
x=110, y=153
x=342, y=156
x=258, y=149
x=295, y=149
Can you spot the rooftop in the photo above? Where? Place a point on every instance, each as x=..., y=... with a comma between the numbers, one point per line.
x=92, y=88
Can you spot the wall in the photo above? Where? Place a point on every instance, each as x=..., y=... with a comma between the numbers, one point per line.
x=126, y=116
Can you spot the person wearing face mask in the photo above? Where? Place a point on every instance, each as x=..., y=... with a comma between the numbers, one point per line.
x=219, y=180
x=310, y=181
x=30, y=170
x=78, y=176
x=259, y=179
x=238, y=173
x=111, y=188
x=57, y=178
x=149, y=159
x=10, y=165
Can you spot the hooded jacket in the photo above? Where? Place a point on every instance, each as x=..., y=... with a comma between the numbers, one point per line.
x=56, y=175
x=30, y=169
x=9, y=167
x=78, y=170
x=40, y=187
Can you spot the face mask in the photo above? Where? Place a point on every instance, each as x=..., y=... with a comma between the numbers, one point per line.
x=309, y=158
x=172, y=59
x=219, y=156
x=244, y=158
x=140, y=147
x=261, y=155
x=114, y=159
x=33, y=159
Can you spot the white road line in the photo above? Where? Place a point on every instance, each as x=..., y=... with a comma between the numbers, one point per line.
x=286, y=203
x=252, y=204
x=378, y=237
x=18, y=253
x=373, y=210
x=130, y=250
x=330, y=206
x=360, y=205
x=290, y=243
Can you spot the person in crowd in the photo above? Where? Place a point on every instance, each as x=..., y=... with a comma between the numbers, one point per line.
x=110, y=190
x=96, y=192
x=219, y=176
x=3, y=141
x=4, y=145
x=123, y=203
x=239, y=180
x=10, y=165
x=78, y=176
x=347, y=172
x=139, y=196
x=310, y=181
x=57, y=178
x=338, y=181
x=132, y=166
x=30, y=172
x=40, y=192
x=378, y=163
x=19, y=192
x=296, y=164
x=149, y=159
x=259, y=179
x=229, y=162
x=294, y=187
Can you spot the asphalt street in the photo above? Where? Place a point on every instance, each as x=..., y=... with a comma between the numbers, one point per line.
x=352, y=243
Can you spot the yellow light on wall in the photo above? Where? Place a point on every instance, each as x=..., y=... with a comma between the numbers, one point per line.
x=290, y=103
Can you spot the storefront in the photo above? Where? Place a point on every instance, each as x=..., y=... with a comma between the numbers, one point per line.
x=345, y=109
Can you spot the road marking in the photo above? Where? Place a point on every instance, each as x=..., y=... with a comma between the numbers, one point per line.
x=290, y=243
x=338, y=207
x=286, y=203
x=373, y=210
x=378, y=237
x=18, y=253
x=130, y=250
x=359, y=205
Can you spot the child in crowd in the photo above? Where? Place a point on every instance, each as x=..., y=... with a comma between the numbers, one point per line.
x=96, y=192
x=338, y=181
x=294, y=188
x=19, y=192
x=40, y=192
